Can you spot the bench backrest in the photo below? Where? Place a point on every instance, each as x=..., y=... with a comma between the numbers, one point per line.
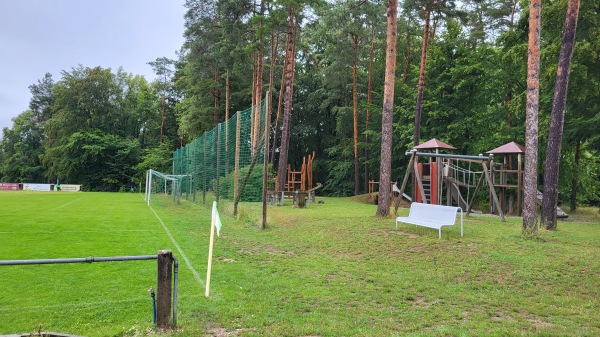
x=442, y=214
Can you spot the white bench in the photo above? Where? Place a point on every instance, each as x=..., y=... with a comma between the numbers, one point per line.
x=432, y=216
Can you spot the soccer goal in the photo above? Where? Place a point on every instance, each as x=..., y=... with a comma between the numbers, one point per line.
x=161, y=186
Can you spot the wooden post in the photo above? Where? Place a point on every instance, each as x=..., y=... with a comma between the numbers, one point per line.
x=419, y=183
x=266, y=160
x=493, y=175
x=405, y=180
x=227, y=96
x=493, y=191
x=236, y=173
x=472, y=201
x=204, y=169
x=163, y=288
x=218, y=189
x=195, y=175
x=519, y=186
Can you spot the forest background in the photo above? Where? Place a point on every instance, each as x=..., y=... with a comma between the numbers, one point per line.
x=100, y=128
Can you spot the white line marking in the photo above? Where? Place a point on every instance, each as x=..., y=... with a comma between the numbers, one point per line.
x=187, y=261
x=70, y=202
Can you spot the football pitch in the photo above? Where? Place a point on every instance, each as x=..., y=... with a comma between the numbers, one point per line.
x=330, y=269
x=93, y=299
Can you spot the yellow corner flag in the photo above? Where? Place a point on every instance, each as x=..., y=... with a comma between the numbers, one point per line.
x=215, y=218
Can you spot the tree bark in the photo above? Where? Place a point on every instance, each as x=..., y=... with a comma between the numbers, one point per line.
x=162, y=118
x=385, y=169
x=253, y=107
x=227, y=98
x=421, y=87
x=216, y=113
x=274, y=46
x=279, y=106
x=287, y=111
x=368, y=112
x=355, y=115
x=552, y=165
x=259, y=85
x=407, y=58
x=531, y=121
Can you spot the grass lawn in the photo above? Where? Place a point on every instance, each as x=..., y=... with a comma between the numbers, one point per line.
x=331, y=269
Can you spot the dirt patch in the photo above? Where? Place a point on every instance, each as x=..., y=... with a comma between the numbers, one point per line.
x=266, y=250
x=538, y=322
x=420, y=302
x=501, y=317
x=222, y=332
x=410, y=235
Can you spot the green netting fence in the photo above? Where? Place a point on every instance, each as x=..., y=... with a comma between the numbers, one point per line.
x=227, y=161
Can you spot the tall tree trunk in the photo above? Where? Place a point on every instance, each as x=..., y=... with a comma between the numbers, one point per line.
x=355, y=114
x=279, y=107
x=575, y=178
x=259, y=85
x=227, y=98
x=407, y=58
x=385, y=168
x=512, y=12
x=253, y=126
x=509, y=96
x=274, y=46
x=216, y=113
x=162, y=118
x=433, y=30
x=421, y=87
x=368, y=112
x=550, y=200
x=531, y=120
x=259, y=82
x=287, y=111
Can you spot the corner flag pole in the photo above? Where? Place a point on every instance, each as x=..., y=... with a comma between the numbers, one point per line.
x=214, y=223
x=210, y=251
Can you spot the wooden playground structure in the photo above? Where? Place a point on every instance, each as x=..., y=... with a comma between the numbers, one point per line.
x=300, y=180
x=507, y=177
x=299, y=184
x=454, y=174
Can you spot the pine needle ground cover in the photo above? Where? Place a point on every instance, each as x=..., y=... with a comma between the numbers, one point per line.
x=331, y=269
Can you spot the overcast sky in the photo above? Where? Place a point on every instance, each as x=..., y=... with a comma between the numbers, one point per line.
x=48, y=36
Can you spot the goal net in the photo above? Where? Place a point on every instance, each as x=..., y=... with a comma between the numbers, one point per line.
x=161, y=187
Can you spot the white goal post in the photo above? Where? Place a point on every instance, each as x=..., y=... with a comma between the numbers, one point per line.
x=158, y=183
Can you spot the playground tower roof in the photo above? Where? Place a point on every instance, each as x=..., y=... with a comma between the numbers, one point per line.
x=509, y=148
x=434, y=144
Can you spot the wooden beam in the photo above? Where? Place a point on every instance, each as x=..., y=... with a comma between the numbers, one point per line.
x=419, y=182
x=404, y=181
x=486, y=172
x=163, y=288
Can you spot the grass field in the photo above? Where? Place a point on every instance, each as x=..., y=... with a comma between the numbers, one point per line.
x=332, y=269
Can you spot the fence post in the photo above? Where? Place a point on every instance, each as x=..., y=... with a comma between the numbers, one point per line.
x=163, y=288
x=236, y=174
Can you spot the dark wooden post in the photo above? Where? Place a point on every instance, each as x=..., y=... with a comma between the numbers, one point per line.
x=163, y=288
